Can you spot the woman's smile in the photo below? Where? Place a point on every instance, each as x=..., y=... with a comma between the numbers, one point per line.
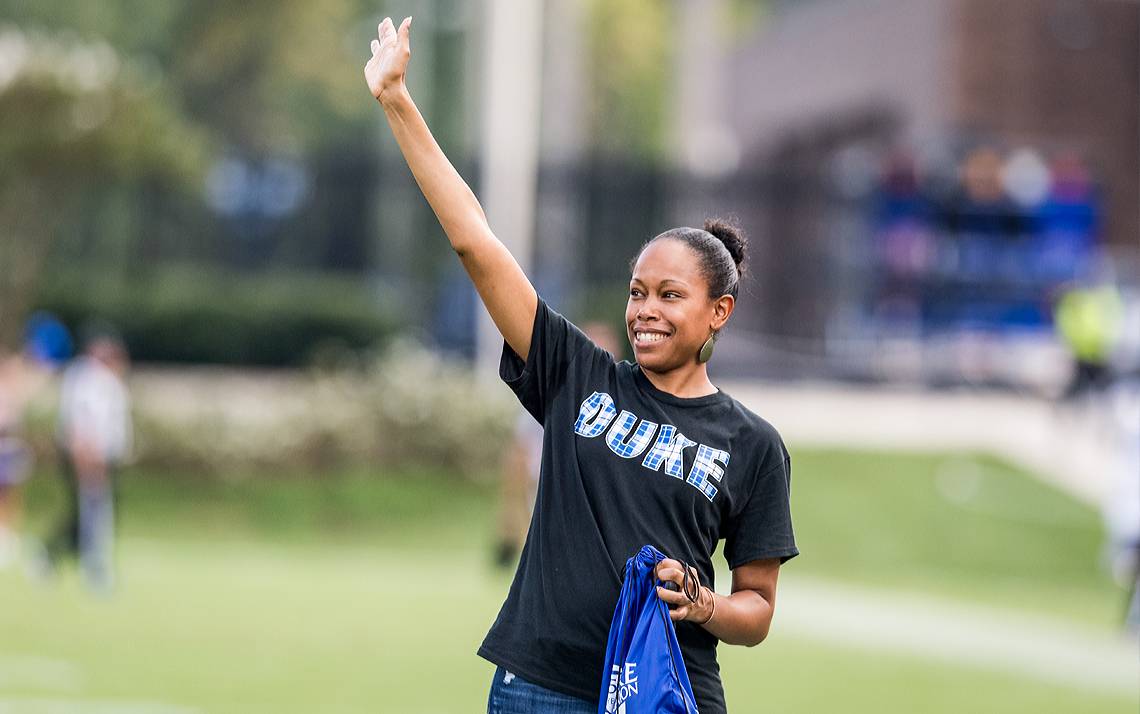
x=648, y=338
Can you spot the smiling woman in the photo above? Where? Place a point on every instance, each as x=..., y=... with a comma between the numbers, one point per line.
x=681, y=294
x=633, y=453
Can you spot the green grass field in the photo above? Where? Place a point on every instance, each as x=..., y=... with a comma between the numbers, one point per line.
x=362, y=593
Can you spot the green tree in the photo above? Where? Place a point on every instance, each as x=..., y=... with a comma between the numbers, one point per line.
x=106, y=101
x=632, y=46
x=629, y=43
x=76, y=115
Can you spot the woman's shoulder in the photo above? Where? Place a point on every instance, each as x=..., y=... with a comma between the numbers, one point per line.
x=751, y=425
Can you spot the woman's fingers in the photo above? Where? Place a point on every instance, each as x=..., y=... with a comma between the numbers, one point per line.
x=671, y=598
x=391, y=51
x=670, y=570
x=385, y=30
x=679, y=606
x=680, y=603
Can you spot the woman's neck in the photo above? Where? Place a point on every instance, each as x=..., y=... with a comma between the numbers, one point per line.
x=685, y=382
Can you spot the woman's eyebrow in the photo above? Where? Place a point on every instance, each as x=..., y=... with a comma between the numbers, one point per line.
x=664, y=282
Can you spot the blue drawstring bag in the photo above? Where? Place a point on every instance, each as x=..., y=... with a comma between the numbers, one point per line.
x=644, y=672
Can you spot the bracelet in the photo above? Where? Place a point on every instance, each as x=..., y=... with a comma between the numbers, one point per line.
x=711, y=614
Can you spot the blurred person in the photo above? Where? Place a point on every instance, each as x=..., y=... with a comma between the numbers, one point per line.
x=15, y=456
x=984, y=219
x=983, y=207
x=519, y=482
x=1088, y=321
x=1122, y=508
x=643, y=452
x=47, y=340
x=1069, y=221
x=22, y=374
x=94, y=435
x=1125, y=359
x=1071, y=203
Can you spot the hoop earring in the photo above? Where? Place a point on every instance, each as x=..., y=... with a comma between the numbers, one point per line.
x=706, y=349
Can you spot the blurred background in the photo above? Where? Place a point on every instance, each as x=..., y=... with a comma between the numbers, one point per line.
x=245, y=384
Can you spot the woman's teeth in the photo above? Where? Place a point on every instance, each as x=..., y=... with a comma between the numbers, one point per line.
x=649, y=336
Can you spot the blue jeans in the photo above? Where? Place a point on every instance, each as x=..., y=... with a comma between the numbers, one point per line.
x=511, y=694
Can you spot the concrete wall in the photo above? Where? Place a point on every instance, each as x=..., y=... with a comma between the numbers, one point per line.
x=815, y=62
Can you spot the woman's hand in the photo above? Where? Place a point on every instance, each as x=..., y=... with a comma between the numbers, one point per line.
x=696, y=605
x=390, y=54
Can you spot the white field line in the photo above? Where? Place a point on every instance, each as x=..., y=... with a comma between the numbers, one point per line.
x=89, y=706
x=1043, y=648
x=24, y=672
x=38, y=672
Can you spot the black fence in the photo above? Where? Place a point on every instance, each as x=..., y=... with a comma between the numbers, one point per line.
x=837, y=265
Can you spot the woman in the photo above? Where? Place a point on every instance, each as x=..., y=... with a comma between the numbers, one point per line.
x=633, y=453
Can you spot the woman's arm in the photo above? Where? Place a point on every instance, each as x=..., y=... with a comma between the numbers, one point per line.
x=742, y=618
x=504, y=288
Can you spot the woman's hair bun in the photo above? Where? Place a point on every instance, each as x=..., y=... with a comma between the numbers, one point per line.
x=729, y=232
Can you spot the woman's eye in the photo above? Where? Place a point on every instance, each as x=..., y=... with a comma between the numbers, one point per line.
x=634, y=292
x=671, y=294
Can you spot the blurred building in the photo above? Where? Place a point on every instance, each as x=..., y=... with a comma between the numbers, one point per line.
x=836, y=104
x=1050, y=73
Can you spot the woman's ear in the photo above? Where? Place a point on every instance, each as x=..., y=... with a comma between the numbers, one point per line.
x=722, y=310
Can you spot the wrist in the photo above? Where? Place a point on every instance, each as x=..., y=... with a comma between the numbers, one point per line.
x=392, y=97
x=711, y=606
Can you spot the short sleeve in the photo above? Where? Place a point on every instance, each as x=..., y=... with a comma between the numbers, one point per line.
x=763, y=527
x=554, y=344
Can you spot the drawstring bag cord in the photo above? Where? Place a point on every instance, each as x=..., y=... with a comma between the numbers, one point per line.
x=694, y=594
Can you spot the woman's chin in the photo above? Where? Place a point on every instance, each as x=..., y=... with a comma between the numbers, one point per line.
x=655, y=361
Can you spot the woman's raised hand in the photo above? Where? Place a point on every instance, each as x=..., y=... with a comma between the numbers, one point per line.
x=390, y=53
x=503, y=286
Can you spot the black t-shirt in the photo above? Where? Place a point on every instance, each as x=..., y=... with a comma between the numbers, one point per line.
x=625, y=464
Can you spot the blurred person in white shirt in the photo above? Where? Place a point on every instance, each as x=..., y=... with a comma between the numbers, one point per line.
x=94, y=435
